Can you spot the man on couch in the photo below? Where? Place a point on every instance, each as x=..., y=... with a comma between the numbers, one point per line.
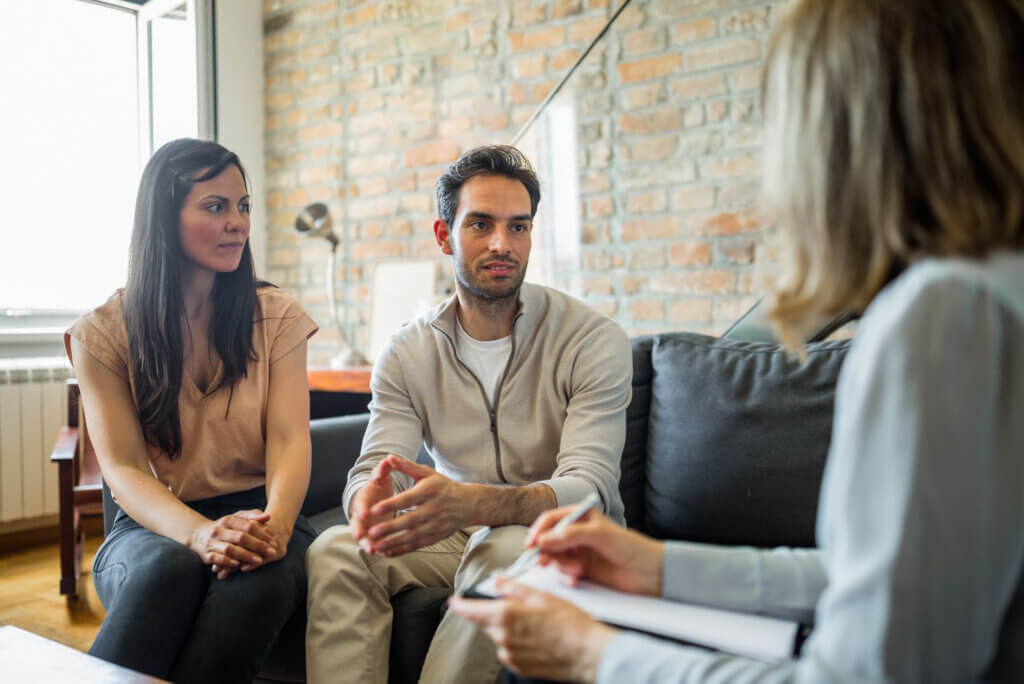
x=519, y=393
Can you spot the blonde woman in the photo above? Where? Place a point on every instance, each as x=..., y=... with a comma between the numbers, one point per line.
x=895, y=161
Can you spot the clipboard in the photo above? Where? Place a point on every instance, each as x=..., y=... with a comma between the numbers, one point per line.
x=760, y=637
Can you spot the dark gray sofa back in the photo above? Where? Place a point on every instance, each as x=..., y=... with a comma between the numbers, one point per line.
x=335, y=443
x=726, y=440
x=633, y=481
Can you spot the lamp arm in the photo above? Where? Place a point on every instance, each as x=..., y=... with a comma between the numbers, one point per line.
x=347, y=355
x=331, y=277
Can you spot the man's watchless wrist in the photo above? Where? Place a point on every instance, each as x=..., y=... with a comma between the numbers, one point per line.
x=473, y=494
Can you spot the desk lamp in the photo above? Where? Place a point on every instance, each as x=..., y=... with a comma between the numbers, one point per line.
x=314, y=220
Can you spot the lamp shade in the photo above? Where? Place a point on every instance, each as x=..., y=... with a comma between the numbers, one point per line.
x=315, y=220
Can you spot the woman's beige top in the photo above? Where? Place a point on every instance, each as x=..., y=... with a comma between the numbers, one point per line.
x=222, y=451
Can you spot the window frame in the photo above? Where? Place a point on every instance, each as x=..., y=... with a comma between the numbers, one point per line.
x=202, y=12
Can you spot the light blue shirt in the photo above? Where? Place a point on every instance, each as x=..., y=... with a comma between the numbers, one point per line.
x=921, y=516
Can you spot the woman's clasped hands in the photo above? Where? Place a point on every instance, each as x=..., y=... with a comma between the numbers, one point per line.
x=242, y=541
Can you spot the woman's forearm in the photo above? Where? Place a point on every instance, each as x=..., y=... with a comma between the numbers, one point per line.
x=288, y=469
x=782, y=582
x=289, y=451
x=149, y=503
x=121, y=451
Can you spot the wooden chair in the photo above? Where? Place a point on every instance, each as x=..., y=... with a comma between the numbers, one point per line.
x=79, y=489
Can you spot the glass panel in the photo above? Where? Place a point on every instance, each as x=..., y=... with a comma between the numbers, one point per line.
x=649, y=163
x=70, y=152
x=552, y=143
x=173, y=74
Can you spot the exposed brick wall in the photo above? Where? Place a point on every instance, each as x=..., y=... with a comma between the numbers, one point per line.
x=367, y=101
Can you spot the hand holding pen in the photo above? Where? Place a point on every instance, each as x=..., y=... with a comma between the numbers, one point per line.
x=529, y=558
x=590, y=546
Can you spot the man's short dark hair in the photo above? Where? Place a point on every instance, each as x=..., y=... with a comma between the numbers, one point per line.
x=489, y=160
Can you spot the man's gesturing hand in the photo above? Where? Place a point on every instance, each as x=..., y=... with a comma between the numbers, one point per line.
x=440, y=506
x=379, y=488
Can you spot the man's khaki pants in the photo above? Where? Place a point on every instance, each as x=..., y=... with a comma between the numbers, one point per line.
x=348, y=631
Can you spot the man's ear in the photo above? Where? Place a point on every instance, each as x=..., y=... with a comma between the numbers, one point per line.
x=443, y=236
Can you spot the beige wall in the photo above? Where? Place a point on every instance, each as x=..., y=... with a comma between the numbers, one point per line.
x=366, y=102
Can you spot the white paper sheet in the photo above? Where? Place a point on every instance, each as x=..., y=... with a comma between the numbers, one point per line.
x=755, y=636
x=401, y=291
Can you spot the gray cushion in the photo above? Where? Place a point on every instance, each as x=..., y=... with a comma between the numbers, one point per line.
x=329, y=518
x=737, y=438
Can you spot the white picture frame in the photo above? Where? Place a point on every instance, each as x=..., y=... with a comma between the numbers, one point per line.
x=402, y=290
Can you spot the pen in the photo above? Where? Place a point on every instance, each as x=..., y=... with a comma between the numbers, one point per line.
x=529, y=557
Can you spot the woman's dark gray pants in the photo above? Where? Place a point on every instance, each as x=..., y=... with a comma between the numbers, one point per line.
x=169, y=617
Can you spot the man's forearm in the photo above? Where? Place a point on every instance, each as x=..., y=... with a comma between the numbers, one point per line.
x=496, y=505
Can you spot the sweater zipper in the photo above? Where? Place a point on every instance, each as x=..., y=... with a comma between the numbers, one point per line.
x=492, y=410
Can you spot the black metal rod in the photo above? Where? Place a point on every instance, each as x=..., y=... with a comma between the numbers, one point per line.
x=568, y=75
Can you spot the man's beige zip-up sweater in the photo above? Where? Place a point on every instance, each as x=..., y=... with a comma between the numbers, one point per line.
x=559, y=415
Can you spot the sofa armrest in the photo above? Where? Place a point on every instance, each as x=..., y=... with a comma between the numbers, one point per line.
x=336, y=445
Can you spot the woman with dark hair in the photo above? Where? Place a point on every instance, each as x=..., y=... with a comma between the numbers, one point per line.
x=894, y=162
x=193, y=382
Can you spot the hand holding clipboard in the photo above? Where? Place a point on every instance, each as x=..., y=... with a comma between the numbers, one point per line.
x=615, y=575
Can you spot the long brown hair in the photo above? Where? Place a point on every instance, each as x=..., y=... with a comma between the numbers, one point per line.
x=895, y=131
x=154, y=308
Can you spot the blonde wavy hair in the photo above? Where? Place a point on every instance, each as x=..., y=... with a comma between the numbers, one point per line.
x=894, y=131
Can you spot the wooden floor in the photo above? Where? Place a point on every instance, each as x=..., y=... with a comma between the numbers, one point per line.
x=30, y=596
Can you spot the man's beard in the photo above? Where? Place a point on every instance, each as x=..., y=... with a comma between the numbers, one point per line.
x=506, y=289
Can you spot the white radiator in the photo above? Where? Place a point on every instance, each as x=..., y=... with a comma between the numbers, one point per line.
x=33, y=408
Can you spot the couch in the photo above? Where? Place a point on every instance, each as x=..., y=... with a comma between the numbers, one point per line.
x=725, y=443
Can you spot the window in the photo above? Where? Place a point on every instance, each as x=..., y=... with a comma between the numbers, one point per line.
x=551, y=141
x=70, y=152
x=176, y=73
x=90, y=88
